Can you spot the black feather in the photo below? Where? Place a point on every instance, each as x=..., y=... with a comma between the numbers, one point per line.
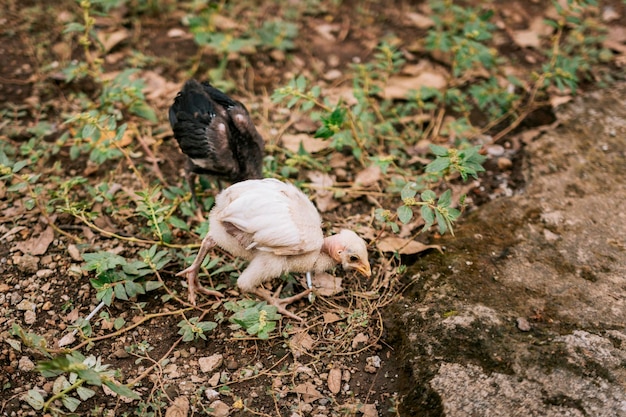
x=216, y=134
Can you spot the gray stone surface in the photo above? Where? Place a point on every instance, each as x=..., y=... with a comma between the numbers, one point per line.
x=525, y=313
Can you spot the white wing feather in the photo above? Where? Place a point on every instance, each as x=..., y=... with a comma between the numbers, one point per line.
x=277, y=216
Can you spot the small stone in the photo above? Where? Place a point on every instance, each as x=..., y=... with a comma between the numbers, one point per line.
x=334, y=380
x=25, y=364
x=120, y=354
x=220, y=409
x=505, y=163
x=211, y=363
x=495, y=150
x=550, y=236
x=44, y=273
x=30, y=317
x=46, y=306
x=215, y=379
x=74, y=253
x=26, y=305
x=26, y=263
x=523, y=324
x=211, y=394
x=232, y=364
x=16, y=297
x=175, y=33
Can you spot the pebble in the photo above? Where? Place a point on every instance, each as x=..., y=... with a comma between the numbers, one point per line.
x=74, y=253
x=16, y=297
x=523, y=324
x=26, y=263
x=25, y=364
x=211, y=363
x=220, y=409
x=215, y=379
x=30, y=317
x=232, y=364
x=26, y=305
x=372, y=363
x=505, y=163
x=44, y=273
x=211, y=394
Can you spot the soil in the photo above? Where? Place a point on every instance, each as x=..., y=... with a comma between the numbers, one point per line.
x=351, y=357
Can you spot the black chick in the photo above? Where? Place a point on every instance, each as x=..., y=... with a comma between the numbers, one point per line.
x=216, y=134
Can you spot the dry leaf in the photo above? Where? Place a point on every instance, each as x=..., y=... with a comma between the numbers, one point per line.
x=398, y=86
x=308, y=391
x=368, y=177
x=358, y=339
x=110, y=40
x=334, y=380
x=326, y=284
x=300, y=343
x=179, y=408
x=556, y=101
x=420, y=21
x=309, y=143
x=72, y=316
x=68, y=339
x=37, y=245
x=324, y=198
x=110, y=392
x=369, y=410
x=526, y=38
x=404, y=246
x=331, y=317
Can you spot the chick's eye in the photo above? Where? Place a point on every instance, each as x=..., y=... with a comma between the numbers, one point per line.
x=354, y=258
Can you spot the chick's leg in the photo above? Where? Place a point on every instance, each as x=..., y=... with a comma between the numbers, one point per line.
x=261, y=268
x=281, y=303
x=193, y=285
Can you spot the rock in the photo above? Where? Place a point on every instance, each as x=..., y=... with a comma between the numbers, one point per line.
x=179, y=408
x=211, y=394
x=30, y=317
x=25, y=364
x=219, y=409
x=26, y=305
x=372, y=363
x=215, y=379
x=44, y=273
x=211, y=363
x=564, y=288
x=26, y=263
x=74, y=253
x=334, y=380
x=523, y=324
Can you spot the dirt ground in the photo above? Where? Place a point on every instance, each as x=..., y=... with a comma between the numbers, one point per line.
x=344, y=361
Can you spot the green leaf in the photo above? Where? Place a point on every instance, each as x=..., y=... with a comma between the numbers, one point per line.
x=90, y=376
x=429, y=217
x=178, y=223
x=70, y=403
x=35, y=399
x=438, y=165
x=445, y=199
x=153, y=285
x=119, y=323
x=15, y=344
x=438, y=150
x=428, y=196
x=120, y=292
x=142, y=109
x=122, y=390
x=405, y=213
x=85, y=393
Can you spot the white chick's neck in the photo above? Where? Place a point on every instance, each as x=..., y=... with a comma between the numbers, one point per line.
x=329, y=256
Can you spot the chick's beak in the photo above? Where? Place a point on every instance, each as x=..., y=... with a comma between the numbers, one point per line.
x=364, y=269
